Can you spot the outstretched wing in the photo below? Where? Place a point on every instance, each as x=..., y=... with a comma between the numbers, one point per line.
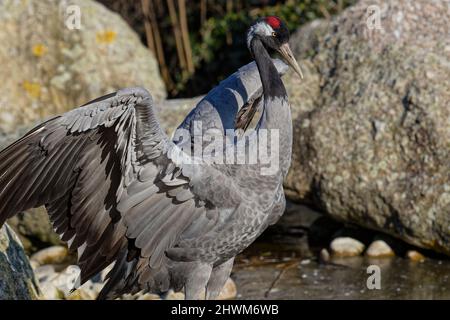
x=113, y=184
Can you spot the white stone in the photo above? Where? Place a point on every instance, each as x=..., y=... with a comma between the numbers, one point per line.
x=346, y=247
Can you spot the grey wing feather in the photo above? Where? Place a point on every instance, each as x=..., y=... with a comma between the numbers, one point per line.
x=112, y=182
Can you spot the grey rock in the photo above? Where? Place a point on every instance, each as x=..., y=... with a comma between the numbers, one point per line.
x=371, y=120
x=17, y=280
x=89, y=291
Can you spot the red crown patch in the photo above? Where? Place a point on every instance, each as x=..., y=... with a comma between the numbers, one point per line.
x=274, y=22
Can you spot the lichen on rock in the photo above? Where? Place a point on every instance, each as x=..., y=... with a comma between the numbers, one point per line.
x=17, y=280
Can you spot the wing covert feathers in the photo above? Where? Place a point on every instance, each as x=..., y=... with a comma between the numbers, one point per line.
x=105, y=173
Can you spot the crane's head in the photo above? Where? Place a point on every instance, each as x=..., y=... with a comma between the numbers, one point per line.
x=274, y=34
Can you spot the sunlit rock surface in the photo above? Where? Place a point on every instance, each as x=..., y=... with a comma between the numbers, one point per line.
x=17, y=280
x=372, y=119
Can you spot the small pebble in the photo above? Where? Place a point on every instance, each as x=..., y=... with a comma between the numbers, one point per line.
x=34, y=265
x=414, y=255
x=45, y=273
x=229, y=290
x=149, y=296
x=379, y=249
x=346, y=247
x=69, y=279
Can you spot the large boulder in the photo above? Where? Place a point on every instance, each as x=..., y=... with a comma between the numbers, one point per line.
x=372, y=119
x=17, y=280
x=49, y=66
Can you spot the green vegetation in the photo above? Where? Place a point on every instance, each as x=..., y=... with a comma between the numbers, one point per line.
x=210, y=44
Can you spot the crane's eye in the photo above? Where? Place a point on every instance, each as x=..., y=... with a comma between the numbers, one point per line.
x=274, y=34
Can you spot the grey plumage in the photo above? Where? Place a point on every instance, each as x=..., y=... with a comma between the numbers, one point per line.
x=117, y=188
x=220, y=107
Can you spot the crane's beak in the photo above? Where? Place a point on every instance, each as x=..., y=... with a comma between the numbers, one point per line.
x=287, y=55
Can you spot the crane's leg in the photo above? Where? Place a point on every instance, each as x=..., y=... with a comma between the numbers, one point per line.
x=219, y=276
x=197, y=280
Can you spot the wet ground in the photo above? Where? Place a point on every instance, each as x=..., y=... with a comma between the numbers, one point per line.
x=283, y=264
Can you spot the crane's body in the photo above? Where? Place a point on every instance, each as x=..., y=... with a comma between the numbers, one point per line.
x=118, y=190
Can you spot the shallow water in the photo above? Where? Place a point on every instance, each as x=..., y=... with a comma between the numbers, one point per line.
x=281, y=265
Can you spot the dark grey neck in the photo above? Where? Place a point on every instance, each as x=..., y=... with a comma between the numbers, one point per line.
x=271, y=80
x=276, y=114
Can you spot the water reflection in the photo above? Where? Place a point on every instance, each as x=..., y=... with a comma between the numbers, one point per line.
x=281, y=265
